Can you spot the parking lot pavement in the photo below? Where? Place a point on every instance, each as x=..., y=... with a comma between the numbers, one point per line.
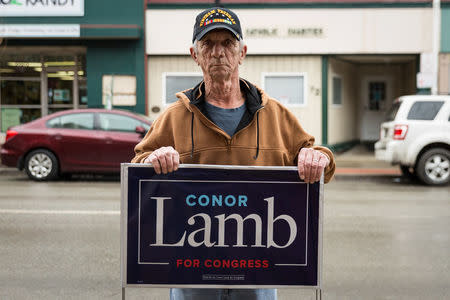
x=383, y=238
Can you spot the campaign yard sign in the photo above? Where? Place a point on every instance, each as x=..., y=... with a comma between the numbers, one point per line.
x=220, y=226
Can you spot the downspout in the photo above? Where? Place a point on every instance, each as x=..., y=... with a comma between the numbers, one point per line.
x=324, y=100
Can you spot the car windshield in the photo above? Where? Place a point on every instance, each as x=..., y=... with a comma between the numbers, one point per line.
x=390, y=116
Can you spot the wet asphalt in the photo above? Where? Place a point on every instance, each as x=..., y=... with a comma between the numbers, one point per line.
x=384, y=237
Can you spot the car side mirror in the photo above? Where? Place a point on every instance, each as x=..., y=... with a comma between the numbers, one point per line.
x=140, y=130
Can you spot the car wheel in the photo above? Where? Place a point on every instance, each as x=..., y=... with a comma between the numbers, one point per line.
x=41, y=165
x=408, y=172
x=433, y=167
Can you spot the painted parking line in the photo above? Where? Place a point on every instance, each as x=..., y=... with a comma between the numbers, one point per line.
x=59, y=212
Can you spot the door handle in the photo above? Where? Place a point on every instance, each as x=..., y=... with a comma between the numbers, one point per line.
x=57, y=137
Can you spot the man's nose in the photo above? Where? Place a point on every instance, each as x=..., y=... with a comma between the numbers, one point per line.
x=217, y=50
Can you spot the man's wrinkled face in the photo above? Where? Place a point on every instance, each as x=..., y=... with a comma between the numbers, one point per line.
x=218, y=54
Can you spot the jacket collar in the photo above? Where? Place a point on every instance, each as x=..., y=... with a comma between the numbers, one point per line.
x=253, y=95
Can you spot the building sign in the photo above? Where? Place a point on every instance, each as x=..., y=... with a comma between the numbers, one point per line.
x=220, y=226
x=61, y=95
x=297, y=31
x=118, y=90
x=43, y=8
x=39, y=30
x=424, y=80
x=300, y=32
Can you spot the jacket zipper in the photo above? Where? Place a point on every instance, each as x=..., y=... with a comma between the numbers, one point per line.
x=248, y=125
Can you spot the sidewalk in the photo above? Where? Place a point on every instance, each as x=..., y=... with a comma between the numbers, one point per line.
x=361, y=161
x=356, y=161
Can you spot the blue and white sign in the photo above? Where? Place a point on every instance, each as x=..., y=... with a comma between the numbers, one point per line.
x=220, y=226
x=41, y=30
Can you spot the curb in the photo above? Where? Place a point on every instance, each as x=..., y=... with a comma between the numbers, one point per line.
x=368, y=171
x=7, y=169
x=339, y=171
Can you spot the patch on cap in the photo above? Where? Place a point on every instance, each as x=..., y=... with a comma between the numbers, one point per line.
x=216, y=18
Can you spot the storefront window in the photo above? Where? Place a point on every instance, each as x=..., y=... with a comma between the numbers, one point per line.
x=32, y=85
x=14, y=65
x=16, y=116
x=22, y=92
x=82, y=92
x=59, y=90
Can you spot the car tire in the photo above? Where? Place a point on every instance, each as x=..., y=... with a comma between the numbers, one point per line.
x=433, y=167
x=408, y=172
x=41, y=165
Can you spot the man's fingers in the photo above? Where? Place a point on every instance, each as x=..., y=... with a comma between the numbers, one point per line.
x=164, y=160
x=301, y=164
x=176, y=160
x=311, y=164
x=155, y=162
x=318, y=168
x=314, y=167
x=308, y=162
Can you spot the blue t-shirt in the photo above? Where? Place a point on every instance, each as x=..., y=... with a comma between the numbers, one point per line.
x=226, y=118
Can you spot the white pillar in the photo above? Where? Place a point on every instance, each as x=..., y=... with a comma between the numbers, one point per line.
x=436, y=44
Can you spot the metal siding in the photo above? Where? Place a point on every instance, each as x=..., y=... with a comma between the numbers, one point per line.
x=252, y=68
x=310, y=115
x=157, y=66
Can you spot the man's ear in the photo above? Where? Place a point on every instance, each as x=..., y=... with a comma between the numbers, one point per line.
x=193, y=54
x=243, y=54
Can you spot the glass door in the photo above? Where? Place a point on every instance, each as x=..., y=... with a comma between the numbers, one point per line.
x=20, y=91
x=60, y=88
x=34, y=85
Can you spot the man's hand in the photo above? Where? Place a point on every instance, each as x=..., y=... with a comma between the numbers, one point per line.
x=311, y=164
x=164, y=159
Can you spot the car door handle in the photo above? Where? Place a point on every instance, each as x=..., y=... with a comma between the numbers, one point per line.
x=109, y=141
x=57, y=137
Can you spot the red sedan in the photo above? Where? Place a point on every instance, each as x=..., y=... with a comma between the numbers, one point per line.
x=74, y=141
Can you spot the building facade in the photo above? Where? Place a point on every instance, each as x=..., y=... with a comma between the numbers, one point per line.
x=65, y=54
x=337, y=66
x=444, y=57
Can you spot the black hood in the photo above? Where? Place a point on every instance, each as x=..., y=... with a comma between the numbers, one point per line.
x=252, y=96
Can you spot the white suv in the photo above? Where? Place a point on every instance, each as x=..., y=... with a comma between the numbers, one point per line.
x=416, y=136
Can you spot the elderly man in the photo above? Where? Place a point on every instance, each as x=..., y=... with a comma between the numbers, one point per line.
x=226, y=120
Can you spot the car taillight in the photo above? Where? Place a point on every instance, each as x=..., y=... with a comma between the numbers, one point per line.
x=400, y=132
x=10, y=134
